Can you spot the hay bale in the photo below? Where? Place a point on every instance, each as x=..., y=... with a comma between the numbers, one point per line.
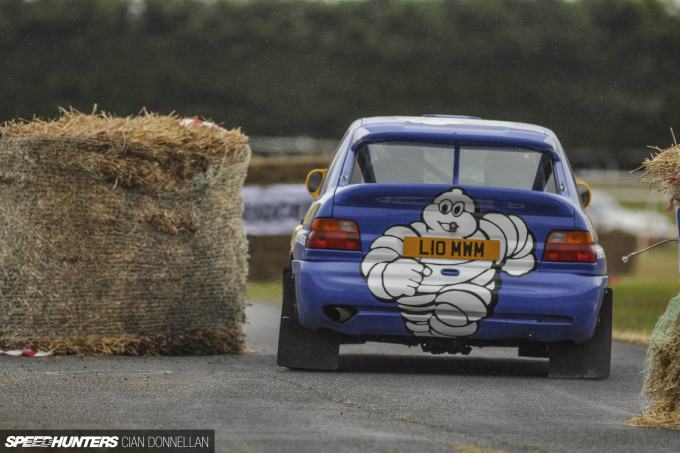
x=661, y=385
x=283, y=170
x=662, y=171
x=618, y=243
x=270, y=254
x=121, y=235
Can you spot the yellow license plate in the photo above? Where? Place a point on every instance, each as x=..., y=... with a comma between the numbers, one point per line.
x=467, y=249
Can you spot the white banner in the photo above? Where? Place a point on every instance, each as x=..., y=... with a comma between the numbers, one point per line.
x=274, y=210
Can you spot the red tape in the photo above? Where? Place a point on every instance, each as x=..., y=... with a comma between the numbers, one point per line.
x=26, y=353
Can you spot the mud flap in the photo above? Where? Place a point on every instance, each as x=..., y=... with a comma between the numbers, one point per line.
x=300, y=348
x=591, y=359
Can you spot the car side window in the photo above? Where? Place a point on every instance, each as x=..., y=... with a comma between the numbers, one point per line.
x=334, y=163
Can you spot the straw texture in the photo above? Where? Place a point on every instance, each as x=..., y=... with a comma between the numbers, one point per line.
x=122, y=235
x=661, y=385
x=662, y=171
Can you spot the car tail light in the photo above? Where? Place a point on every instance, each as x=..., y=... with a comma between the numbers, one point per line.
x=570, y=246
x=335, y=234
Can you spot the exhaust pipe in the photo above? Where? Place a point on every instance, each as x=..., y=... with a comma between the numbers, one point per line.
x=339, y=314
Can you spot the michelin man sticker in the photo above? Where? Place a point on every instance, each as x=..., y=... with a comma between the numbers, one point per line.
x=443, y=272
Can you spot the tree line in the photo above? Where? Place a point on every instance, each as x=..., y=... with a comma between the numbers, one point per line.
x=600, y=73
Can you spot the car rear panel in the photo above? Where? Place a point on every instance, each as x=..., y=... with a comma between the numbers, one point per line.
x=526, y=298
x=377, y=207
x=541, y=308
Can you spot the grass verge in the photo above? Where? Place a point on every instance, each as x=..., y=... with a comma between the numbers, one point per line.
x=642, y=296
x=264, y=292
x=638, y=303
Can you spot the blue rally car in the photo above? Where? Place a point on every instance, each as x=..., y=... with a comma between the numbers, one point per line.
x=449, y=233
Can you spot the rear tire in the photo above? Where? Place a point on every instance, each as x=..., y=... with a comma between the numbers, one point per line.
x=591, y=359
x=300, y=348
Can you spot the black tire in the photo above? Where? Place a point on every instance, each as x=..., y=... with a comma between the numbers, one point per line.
x=300, y=348
x=591, y=359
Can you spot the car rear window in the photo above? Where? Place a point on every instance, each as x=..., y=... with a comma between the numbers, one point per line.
x=493, y=166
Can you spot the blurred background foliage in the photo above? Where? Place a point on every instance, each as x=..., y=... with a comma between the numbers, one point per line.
x=600, y=73
x=603, y=74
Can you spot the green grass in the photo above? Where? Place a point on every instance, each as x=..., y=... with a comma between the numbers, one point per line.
x=642, y=296
x=638, y=303
x=269, y=292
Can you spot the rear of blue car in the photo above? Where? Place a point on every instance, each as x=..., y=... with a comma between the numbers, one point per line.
x=448, y=233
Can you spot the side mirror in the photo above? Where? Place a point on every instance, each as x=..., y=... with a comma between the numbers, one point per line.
x=314, y=180
x=584, y=193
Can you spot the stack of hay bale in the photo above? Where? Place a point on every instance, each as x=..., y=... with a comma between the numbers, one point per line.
x=661, y=385
x=270, y=254
x=122, y=235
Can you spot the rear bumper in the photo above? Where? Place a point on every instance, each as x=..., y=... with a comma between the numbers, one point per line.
x=541, y=306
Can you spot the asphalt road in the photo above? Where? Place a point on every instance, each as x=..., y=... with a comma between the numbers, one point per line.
x=384, y=399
